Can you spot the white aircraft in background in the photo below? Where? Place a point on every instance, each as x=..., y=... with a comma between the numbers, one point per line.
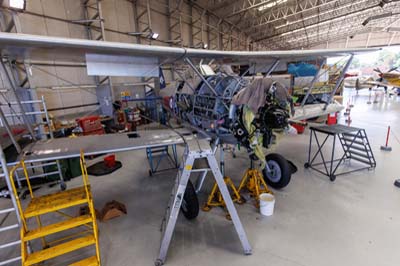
x=391, y=78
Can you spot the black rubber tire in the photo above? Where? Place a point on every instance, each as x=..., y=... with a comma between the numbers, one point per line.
x=63, y=186
x=285, y=169
x=158, y=262
x=293, y=167
x=190, y=201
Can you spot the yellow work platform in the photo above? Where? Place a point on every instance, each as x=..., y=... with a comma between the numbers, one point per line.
x=57, y=227
x=53, y=203
x=56, y=201
x=59, y=250
x=92, y=261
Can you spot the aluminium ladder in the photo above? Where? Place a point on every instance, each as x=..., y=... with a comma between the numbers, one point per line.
x=196, y=150
x=7, y=212
x=54, y=203
x=42, y=114
x=36, y=168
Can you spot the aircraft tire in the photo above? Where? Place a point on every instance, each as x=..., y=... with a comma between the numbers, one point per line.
x=190, y=204
x=281, y=171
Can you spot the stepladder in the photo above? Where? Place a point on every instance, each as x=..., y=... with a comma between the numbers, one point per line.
x=70, y=233
x=196, y=150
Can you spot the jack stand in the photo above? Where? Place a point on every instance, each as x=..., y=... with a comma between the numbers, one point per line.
x=255, y=184
x=215, y=198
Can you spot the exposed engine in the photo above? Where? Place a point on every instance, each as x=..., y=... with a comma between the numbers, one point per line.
x=229, y=116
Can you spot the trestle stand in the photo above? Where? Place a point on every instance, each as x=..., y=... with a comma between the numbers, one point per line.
x=196, y=149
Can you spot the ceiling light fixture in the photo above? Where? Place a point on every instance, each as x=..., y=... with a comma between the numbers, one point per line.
x=154, y=35
x=271, y=4
x=384, y=2
x=18, y=4
x=150, y=35
x=376, y=17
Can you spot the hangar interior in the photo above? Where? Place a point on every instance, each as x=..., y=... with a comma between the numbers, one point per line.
x=141, y=97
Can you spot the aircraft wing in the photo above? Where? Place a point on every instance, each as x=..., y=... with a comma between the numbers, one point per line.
x=61, y=148
x=376, y=83
x=315, y=110
x=35, y=47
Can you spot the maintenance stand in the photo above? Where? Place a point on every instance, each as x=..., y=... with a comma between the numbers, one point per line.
x=355, y=145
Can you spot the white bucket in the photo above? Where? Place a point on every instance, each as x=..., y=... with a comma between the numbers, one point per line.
x=267, y=203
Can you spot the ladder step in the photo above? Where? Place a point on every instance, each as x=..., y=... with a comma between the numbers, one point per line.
x=360, y=136
x=351, y=141
x=7, y=210
x=7, y=262
x=92, y=261
x=6, y=228
x=10, y=244
x=59, y=250
x=358, y=148
x=362, y=160
x=57, y=227
x=56, y=201
x=363, y=155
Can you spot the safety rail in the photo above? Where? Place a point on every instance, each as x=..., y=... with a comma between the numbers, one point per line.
x=39, y=206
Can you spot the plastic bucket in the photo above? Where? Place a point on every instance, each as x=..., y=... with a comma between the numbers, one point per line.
x=267, y=203
x=109, y=161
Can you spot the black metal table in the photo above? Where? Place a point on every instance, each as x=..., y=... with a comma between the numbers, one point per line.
x=355, y=145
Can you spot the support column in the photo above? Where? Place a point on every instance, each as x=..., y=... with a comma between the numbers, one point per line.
x=94, y=23
x=175, y=23
x=197, y=26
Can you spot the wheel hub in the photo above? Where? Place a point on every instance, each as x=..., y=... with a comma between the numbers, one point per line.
x=274, y=174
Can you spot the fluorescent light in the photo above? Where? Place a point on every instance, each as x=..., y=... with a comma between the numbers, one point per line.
x=18, y=4
x=271, y=4
x=154, y=35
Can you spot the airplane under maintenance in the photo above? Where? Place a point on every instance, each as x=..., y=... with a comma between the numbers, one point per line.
x=219, y=105
x=224, y=107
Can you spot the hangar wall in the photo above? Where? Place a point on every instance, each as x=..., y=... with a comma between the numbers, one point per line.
x=121, y=17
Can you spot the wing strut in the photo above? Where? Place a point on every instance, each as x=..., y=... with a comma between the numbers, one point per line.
x=192, y=66
x=272, y=68
x=339, y=81
x=312, y=84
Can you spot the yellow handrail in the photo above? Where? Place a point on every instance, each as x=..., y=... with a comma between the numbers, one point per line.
x=85, y=178
x=11, y=174
x=84, y=173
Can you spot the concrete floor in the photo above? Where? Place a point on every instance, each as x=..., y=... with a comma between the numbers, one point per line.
x=353, y=221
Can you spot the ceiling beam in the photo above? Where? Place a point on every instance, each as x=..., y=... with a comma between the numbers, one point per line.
x=290, y=10
x=302, y=27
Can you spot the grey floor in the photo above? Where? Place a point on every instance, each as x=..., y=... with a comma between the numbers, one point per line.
x=353, y=221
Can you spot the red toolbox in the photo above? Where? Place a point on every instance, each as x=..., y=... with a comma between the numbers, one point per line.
x=91, y=125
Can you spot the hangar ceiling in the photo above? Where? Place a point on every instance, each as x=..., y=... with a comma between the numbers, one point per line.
x=290, y=24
